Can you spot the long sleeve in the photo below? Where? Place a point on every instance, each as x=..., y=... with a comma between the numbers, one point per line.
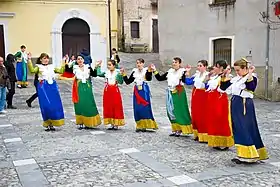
x=148, y=75
x=251, y=84
x=225, y=83
x=99, y=73
x=119, y=79
x=59, y=70
x=93, y=73
x=31, y=68
x=128, y=80
x=161, y=77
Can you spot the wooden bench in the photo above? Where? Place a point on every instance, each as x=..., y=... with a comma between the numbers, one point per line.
x=139, y=47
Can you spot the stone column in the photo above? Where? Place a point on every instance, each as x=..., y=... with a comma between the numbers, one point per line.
x=98, y=49
x=56, y=48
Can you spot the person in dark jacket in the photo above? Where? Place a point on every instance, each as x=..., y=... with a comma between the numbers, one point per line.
x=35, y=95
x=9, y=64
x=87, y=58
x=4, y=84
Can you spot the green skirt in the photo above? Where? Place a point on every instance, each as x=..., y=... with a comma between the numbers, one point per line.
x=178, y=111
x=86, y=110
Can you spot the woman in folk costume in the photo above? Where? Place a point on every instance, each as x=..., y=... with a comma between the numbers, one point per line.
x=112, y=100
x=48, y=94
x=143, y=114
x=84, y=103
x=68, y=68
x=217, y=112
x=21, y=67
x=248, y=141
x=199, y=98
x=177, y=103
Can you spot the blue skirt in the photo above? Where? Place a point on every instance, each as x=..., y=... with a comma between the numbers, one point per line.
x=21, y=72
x=246, y=133
x=143, y=114
x=50, y=104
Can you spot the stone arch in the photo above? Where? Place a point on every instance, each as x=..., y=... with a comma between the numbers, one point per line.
x=98, y=45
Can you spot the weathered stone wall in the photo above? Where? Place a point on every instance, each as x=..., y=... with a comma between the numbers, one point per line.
x=138, y=10
x=185, y=29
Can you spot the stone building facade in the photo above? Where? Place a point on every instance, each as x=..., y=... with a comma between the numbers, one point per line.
x=57, y=28
x=222, y=29
x=138, y=28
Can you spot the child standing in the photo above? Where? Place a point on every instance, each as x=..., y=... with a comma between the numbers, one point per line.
x=48, y=93
x=112, y=100
x=143, y=114
x=177, y=103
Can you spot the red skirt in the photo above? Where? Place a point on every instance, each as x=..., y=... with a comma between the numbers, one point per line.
x=112, y=106
x=198, y=111
x=68, y=74
x=218, y=120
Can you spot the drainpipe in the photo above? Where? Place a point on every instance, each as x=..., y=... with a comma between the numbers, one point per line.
x=266, y=83
x=109, y=28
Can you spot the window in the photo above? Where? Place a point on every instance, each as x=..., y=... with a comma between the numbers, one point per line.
x=134, y=29
x=222, y=2
x=222, y=49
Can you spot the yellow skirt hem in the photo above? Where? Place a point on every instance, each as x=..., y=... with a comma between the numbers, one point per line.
x=185, y=129
x=56, y=123
x=115, y=122
x=146, y=124
x=90, y=122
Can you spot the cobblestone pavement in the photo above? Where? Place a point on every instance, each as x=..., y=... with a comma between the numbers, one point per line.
x=69, y=157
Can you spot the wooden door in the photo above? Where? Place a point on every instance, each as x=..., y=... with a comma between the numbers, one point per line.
x=2, y=42
x=155, y=36
x=75, y=36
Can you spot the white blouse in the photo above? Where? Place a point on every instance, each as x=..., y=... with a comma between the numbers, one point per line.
x=174, y=78
x=111, y=76
x=83, y=73
x=213, y=83
x=238, y=87
x=46, y=73
x=139, y=76
x=199, y=80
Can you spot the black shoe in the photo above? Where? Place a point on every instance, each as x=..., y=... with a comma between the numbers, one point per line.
x=196, y=139
x=28, y=104
x=138, y=130
x=11, y=107
x=111, y=128
x=144, y=130
x=177, y=135
x=81, y=127
x=47, y=129
x=236, y=161
x=115, y=128
x=52, y=128
x=172, y=134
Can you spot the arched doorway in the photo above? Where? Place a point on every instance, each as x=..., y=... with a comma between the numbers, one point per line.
x=75, y=36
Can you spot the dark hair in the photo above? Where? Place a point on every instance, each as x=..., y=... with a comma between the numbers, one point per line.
x=43, y=55
x=203, y=62
x=22, y=47
x=141, y=60
x=177, y=59
x=10, y=58
x=114, y=49
x=210, y=68
x=243, y=63
x=221, y=63
x=79, y=56
x=113, y=62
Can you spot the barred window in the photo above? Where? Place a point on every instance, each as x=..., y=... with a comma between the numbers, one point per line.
x=222, y=49
x=134, y=29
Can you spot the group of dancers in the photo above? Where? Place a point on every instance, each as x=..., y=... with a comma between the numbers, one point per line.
x=212, y=118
